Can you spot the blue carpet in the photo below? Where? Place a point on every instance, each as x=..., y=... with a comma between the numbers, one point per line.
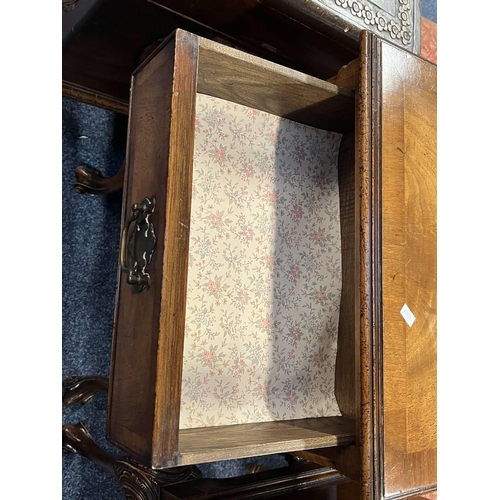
x=91, y=226
x=429, y=9
x=90, y=234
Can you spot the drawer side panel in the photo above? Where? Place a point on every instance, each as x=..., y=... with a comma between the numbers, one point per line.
x=176, y=250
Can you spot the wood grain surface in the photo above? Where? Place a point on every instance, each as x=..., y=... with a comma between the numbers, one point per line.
x=409, y=259
x=94, y=98
x=398, y=250
x=369, y=294
x=264, y=438
x=348, y=76
x=175, y=257
x=172, y=315
x=239, y=77
x=345, y=366
x=133, y=366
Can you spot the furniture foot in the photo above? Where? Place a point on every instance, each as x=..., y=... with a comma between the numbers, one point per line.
x=83, y=389
x=137, y=481
x=77, y=439
x=142, y=483
x=90, y=181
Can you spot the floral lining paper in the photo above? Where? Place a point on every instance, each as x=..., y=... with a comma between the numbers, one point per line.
x=264, y=276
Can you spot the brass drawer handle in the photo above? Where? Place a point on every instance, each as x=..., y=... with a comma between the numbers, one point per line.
x=140, y=246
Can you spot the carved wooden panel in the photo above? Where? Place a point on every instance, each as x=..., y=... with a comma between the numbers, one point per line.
x=397, y=21
x=394, y=20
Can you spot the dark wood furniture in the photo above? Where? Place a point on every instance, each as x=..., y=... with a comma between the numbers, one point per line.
x=105, y=40
x=386, y=365
x=397, y=21
x=141, y=482
x=150, y=326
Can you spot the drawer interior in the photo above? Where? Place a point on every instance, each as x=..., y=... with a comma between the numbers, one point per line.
x=152, y=423
x=264, y=269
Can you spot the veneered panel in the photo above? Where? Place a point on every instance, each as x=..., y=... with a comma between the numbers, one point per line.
x=409, y=256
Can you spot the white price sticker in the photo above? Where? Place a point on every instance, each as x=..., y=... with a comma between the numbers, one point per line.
x=407, y=315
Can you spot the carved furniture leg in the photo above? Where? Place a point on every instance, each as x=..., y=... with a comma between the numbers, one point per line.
x=90, y=181
x=141, y=483
x=137, y=481
x=83, y=389
x=77, y=439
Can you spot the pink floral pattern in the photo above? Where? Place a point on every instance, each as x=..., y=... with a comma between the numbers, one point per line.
x=264, y=269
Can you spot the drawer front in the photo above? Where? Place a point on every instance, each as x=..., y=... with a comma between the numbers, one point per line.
x=149, y=323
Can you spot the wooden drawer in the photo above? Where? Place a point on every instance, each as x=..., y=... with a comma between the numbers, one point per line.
x=383, y=432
